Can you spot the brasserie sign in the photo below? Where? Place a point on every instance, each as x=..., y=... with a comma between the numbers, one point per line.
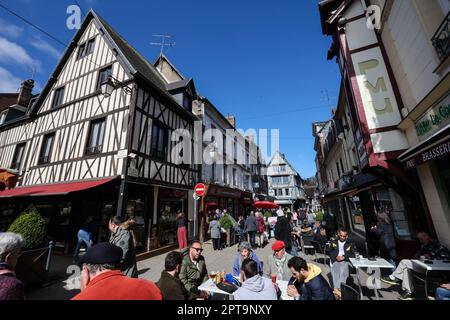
x=434, y=119
x=436, y=152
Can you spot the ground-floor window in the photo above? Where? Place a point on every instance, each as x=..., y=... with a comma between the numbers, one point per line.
x=356, y=213
x=391, y=202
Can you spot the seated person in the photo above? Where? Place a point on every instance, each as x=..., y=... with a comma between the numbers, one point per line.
x=169, y=283
x=254, y=287
x=431, y=249
x=321, y=237
x=305, y=228
x=443, y=292
x=245, y=252
x=277, y=263
x=193, y=271
x=308, y=283
x=340, y=251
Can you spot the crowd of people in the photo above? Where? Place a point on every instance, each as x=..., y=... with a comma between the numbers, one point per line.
x=109, y=269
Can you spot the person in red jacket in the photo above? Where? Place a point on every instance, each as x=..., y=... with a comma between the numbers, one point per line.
x=101, y=278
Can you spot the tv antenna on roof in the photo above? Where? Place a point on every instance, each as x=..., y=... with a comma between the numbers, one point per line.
x=166, y=40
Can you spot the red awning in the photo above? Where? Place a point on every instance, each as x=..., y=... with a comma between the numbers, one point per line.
x=212, y=204
x=53, y=189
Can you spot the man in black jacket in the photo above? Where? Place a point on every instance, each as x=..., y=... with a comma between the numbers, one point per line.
x=308, y=282
x=340, y=252
x=170, y=285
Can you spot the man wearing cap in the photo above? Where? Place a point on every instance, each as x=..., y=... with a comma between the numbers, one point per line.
x=277, y=264
x=101, y=278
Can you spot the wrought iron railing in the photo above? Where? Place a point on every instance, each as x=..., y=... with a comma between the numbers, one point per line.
x=440, y=40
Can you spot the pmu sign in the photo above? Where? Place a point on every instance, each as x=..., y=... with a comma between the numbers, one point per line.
x=200, y=189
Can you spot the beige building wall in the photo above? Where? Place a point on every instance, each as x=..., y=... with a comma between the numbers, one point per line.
x=439, y=208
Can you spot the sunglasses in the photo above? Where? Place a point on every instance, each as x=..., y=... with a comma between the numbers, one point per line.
x=198, y=249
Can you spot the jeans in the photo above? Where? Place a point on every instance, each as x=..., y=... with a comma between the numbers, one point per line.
x=252, y=235
x=442, y=294
x=340, y=272
x=83, y=237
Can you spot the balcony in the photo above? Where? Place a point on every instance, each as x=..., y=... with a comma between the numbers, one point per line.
x=441, y=38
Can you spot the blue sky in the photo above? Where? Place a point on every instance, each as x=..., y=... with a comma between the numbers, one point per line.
x=263, y=61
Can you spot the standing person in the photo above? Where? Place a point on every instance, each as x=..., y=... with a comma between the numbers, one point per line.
x=181, y=230
x=276, y=265
x=302, y=216
x=254, y=287
x=11, y=288
x=340, y=252
x=241, y=229
x=309, y=283
x=214, y=230
x=101, y=278
x=245, y=252
x=124, y=240
x=193, y=270
x=260, y=221
x=84, y=235
x=295, y=218
x=218, y=214
x=283, y=231
x=385, y=231
x=169, y=283
x=251, y=227
x=129, y=225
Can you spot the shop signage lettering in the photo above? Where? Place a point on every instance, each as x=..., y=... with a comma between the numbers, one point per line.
x=428, y=155
x=434, y=119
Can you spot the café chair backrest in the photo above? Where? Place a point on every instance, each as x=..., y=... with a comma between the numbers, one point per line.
x=348, y=293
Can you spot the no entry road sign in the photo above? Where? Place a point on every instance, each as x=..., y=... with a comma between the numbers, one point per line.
x=200, y=189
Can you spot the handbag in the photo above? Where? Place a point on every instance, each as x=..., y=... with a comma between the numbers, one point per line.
x=223, y=230
x=227, y=287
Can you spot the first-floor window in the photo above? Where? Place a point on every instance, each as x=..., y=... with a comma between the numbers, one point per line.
x=47, y=147
x=18, y=156
x=158, y=147
x=96, y=136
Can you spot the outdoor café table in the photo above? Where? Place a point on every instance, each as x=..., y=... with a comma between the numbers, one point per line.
x=379, y=263
x=283, y=285
x=432, y=265
x=210, y=286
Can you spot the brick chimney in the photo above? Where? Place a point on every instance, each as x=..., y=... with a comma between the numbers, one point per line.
x=231, y=120
x=25, y=93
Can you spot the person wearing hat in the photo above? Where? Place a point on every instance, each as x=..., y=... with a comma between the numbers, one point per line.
x=245, y=252
x=277, y=264
x=101, y=278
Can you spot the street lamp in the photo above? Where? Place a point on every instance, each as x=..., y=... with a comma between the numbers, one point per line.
x=108, y=86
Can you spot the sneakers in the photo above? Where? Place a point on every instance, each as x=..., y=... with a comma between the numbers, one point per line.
x=406, y=296
x=388, y=280
x=337, y=294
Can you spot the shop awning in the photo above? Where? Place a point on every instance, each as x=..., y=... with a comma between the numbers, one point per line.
x=435, y=147
x=53, y=189
x=211, y=204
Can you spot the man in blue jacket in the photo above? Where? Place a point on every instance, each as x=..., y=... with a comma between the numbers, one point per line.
x=308, y=282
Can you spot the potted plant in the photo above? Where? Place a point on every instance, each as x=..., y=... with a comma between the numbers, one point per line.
x=32, y=264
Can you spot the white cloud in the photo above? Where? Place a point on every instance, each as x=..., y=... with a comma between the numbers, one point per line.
x=43, y=45
x=10, y=30
x=11, y=52
x=8, y=82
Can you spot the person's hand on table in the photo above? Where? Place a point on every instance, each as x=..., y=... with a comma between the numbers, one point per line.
x=292, y=291
x=446, y=286
x=204, y=295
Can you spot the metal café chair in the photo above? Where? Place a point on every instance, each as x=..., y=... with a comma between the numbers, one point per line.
x=306, y=244
x=318, y=249
x=348, y=293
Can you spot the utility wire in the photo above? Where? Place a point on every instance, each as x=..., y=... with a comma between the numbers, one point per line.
x=33, y=25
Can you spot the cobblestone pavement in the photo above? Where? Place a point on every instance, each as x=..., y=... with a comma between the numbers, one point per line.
x=215, y=260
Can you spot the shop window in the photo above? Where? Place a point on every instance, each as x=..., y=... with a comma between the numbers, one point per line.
x=136, y=210
x=356, y=213
x=390, y=201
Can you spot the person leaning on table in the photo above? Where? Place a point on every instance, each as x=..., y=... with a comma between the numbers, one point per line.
x=277, y=263
x=254, y=287
x=431, y=249
x=193, y=271
x=101, y=278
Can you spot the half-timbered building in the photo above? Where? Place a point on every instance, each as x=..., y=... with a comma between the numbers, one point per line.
x=79, y=151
